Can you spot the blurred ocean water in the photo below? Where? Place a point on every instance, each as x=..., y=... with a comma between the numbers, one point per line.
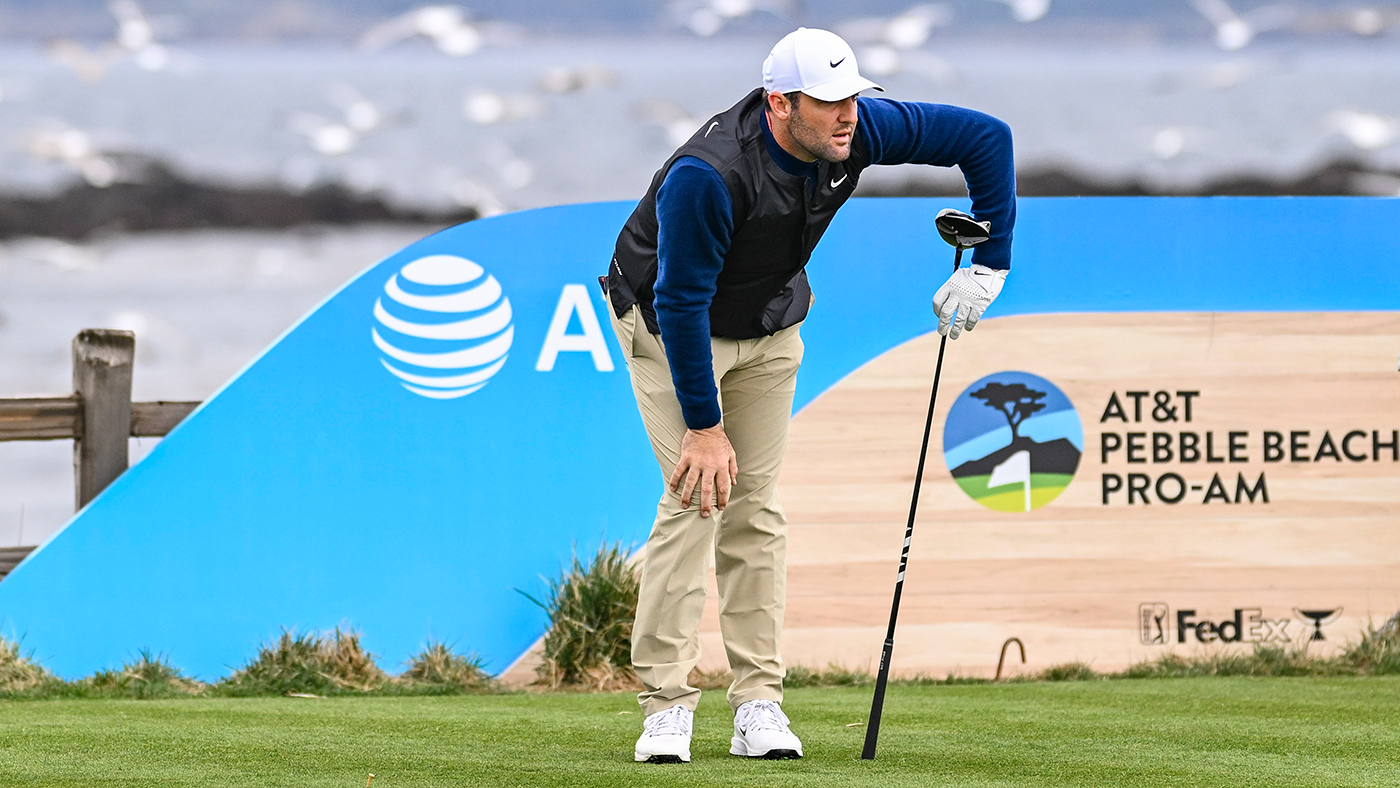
x=566, y=120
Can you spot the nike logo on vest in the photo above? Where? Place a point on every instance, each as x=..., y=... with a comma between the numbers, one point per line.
x=834, y=184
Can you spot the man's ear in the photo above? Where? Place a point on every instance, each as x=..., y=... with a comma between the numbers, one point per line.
x=779, y=105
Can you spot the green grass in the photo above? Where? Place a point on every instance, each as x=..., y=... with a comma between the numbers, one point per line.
x=1235, y=732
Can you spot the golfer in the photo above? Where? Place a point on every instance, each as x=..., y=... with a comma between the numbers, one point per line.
x=708, y=290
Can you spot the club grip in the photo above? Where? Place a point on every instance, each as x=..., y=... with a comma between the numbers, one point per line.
x=877, y=705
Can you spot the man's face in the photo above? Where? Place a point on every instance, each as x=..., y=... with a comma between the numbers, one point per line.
x=824, y=128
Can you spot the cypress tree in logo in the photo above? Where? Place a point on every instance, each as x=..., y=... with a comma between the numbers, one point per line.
x=1012, y=441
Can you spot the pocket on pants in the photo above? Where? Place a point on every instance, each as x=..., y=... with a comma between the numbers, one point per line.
x=625, y=329
x=634, y=324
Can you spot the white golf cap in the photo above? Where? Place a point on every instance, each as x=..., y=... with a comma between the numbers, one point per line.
x=816, y=62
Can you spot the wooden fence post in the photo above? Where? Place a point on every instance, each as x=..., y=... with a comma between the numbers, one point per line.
x=102, y=363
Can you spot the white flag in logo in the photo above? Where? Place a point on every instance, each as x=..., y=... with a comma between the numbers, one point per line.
x=1016, y=468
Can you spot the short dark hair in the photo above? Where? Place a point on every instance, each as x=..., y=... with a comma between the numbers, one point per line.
x=793, y=97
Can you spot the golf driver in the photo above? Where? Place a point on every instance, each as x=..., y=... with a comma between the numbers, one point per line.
x=961, y=232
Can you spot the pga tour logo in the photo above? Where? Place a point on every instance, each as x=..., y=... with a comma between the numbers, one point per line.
x=444, y=327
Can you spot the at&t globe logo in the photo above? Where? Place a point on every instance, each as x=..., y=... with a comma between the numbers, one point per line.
x=1012, y=441
x=443, y=326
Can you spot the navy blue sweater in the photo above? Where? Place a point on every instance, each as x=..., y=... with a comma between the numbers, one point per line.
x=696, y=219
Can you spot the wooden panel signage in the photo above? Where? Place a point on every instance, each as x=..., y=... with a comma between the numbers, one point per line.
x=1239, y=484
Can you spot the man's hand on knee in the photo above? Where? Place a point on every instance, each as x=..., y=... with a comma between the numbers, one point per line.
x=707, y=460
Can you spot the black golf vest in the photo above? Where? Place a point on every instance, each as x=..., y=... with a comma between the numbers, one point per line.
x=778, y=219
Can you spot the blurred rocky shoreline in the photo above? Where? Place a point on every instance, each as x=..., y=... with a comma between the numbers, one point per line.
x=160, y=198
x=156, y=197
x=1339, y=177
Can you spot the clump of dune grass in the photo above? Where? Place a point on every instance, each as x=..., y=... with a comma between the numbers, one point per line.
x=307, y=663
x=717, y=679
x=350, y=666
x=291, y=664
x=149, y=676
x=1069, y=671
x=591, y=606
x=1286, y=661
x=19, y=672
x=836, y=675
x=1377, y=653
x=438, y=670
x=833, y=676
x=1262, y=660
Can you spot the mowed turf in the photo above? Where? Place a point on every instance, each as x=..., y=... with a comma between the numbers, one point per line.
x=1113, y=734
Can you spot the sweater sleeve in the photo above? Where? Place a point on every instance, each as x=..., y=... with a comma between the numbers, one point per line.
x=695, y=221
x=907, y=132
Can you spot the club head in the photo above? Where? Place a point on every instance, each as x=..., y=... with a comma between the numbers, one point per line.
x=961, y=230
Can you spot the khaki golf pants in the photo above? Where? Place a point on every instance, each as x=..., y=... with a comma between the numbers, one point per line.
x=756, y=380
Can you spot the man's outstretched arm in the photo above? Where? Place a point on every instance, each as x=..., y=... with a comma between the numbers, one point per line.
x=910, y=132
x=978, y=144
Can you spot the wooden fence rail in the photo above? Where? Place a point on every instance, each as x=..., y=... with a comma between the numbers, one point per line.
x=41, y=418
x=61, y=418
x=98, y=417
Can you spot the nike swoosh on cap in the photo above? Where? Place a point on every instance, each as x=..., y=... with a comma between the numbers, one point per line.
x=837, y=63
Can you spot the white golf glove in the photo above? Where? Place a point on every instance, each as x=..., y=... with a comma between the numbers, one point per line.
x=960, y=302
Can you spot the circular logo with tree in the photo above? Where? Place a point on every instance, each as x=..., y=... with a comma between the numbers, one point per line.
x=1012, y=441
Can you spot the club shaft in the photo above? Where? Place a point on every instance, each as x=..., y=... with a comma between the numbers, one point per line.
x=877, y=705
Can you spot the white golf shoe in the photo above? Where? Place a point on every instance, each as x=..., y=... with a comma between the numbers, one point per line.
x=761, y=731
x=666, y=736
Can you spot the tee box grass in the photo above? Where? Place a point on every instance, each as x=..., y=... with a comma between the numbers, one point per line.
x=1234, y=732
